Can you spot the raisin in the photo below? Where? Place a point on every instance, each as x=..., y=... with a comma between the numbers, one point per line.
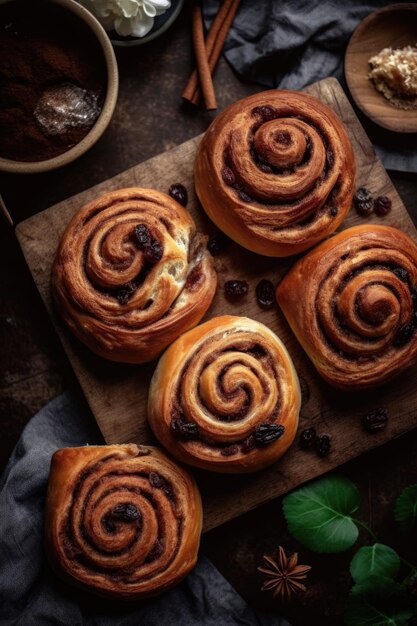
x=153, y=253
x=229, y=450
x=152, y=248
x=123, y=296
x=265, y=294
x=362, y=195
x=364, y=208
x=244, y=196
x=330, y=158
x=404, y=335
x=264, y=168
x=159, y=482
x=155, y=479
x=334, y=211
x=217, y=244
x=363, y=201
x=322, y=445
x=375, y=420
x=126, y=512
x=401, y=273
x=266, y=433
x=167, y=489
x=179, y=193
x=249, y=443
x=266, y=112
x=228, y=176
x=142, y=236
x=307, y=438
x=382, y=205
x=186, y=430
x=235, y=289
x=124, y=293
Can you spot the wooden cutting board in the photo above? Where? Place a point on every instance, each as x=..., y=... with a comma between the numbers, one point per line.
x=117, y=394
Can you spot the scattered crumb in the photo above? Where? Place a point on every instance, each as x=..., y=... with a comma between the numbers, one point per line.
x=394, y=74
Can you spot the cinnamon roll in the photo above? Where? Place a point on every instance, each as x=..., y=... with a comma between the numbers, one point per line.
x=351, y=303
x=131, y=274
x=122, y=521
x=225, y=396
x=275, y=171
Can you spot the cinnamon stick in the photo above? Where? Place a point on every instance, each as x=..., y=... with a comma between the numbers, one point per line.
x=218, y=44
x=204, y=73
x=192, y=85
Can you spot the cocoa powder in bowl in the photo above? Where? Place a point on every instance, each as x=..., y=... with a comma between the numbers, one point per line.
x=52, y=80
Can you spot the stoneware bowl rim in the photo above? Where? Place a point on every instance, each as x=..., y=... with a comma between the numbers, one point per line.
x=94, y=134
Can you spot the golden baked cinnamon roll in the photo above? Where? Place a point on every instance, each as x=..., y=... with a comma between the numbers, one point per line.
x=351, y=303
x=225, y=396
x=275, y=171
x=131, y=274
x=121, y=521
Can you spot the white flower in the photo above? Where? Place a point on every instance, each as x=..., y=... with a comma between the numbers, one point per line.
x=127, y=17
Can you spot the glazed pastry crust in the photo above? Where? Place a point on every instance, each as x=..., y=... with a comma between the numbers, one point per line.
x=122, y=306
x=107, y=555
x=349, y=302
x=275, y=171
x=227, y=375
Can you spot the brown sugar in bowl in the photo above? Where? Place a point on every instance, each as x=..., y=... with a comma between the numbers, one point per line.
x=90, y=25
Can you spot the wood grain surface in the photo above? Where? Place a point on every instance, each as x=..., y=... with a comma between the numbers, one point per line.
x=394, y=26
x=117, y=394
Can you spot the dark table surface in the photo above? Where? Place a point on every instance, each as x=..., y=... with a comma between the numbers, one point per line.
x=149, y=119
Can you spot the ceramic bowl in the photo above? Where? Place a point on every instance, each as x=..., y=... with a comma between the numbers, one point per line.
x=32, y=167
x=161, y=24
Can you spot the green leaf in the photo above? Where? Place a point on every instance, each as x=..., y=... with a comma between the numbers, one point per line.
x=406, y=508
x=319, y=514
x=374, y=567
x=377, y=583
x=378, y=610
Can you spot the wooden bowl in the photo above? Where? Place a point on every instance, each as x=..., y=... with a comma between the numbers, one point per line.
x=94, y=134
x=392, y=26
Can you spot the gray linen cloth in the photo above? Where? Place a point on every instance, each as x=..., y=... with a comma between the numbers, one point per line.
x=291, y=44
x=30, y=594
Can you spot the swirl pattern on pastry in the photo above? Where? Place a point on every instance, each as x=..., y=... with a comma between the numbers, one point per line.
x=225, y=396
x=122, y=520
x=275, y=171
x=131, y=274
x=351, y=302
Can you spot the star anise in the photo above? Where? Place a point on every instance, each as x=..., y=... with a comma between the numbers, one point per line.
x=284, y=574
